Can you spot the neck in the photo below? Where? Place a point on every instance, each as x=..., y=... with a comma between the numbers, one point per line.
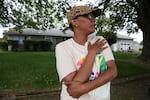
x=80, y=38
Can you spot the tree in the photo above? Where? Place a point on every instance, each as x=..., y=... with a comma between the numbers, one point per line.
x=3, y=13
x=131, y=15
x=105, y=29
x=37, y=14
x=144, y=24
x=42, y=14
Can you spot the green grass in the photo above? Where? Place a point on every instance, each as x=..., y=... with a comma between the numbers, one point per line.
x=37, y=70
x=128, y=64
x=126, y=69
x=28, y=70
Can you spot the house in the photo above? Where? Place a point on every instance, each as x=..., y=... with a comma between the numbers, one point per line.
x=54, y=36
x=125, y=43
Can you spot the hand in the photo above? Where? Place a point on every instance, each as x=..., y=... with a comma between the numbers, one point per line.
x=98, y=46
x=74, y=88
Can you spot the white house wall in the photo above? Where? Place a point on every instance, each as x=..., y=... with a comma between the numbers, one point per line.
x=124, y=45
x=135, y=46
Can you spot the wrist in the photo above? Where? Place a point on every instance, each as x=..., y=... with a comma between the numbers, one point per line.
x=86, y=87
x=83, y=88
x=92, y=53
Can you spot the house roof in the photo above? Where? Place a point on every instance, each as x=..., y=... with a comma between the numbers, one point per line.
x=55, y=32
x=52, y=32
x=124, y=37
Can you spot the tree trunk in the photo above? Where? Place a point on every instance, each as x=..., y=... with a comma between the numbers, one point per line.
x=144, y=24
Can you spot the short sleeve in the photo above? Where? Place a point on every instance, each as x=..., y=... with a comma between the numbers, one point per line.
x=64, y=61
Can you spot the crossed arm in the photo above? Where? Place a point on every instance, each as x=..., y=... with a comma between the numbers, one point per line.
x=77, y=82
x=77, y=88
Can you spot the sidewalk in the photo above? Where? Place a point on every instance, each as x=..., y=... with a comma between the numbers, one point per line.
x=133, y=88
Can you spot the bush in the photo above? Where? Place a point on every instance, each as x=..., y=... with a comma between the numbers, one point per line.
x=30, y=45
x=14, y=44
x=3, y=45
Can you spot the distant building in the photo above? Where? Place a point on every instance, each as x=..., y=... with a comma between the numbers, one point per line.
x=53, y=35
x=125, y=43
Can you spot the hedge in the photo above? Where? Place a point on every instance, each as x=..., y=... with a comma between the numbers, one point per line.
x=30, y=45
x=3, y=45
x=14, y=44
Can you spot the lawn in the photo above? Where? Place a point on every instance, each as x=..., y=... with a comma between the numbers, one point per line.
x=28, y=70
x=37, y=70
x=129, y=64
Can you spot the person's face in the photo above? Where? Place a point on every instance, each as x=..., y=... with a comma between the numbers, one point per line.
x=86, y=23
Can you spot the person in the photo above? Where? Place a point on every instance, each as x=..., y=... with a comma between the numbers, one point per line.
x=85, y=63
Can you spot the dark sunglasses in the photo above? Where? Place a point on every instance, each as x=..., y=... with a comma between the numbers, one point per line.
x=89, y=16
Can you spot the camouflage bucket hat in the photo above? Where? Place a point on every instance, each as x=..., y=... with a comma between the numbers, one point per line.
x=82, y=10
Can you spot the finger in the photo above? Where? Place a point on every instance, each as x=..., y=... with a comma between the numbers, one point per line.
x=103, y=41
x=103, y=48
x=67, y=83
x=97, y=41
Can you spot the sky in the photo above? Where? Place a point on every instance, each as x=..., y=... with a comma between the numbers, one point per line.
x=137, y=36
x=2, y=30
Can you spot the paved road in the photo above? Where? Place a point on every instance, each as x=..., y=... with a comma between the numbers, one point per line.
x=131, y=90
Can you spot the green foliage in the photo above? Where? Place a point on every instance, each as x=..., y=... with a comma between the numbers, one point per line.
x=4, y=14
x=14, y=44
x=37, y=14
x=116, y=15
x=106, y=29
x=3, y=45
x=109, y=36
x=124, y=14
x=43, y=14
x=31, y=45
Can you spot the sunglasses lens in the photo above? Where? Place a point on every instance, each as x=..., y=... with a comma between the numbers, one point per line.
x=90, y=16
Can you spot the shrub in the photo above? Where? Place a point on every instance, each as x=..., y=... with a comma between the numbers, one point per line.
x=3, y=45
x=31, y=45
x=14, y=44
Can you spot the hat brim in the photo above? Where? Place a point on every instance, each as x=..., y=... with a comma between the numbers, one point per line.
x=96, y=12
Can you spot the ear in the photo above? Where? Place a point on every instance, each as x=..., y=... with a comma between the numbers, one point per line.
x=74, y=22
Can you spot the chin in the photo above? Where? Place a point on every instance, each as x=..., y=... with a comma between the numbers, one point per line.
x=92, y=31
